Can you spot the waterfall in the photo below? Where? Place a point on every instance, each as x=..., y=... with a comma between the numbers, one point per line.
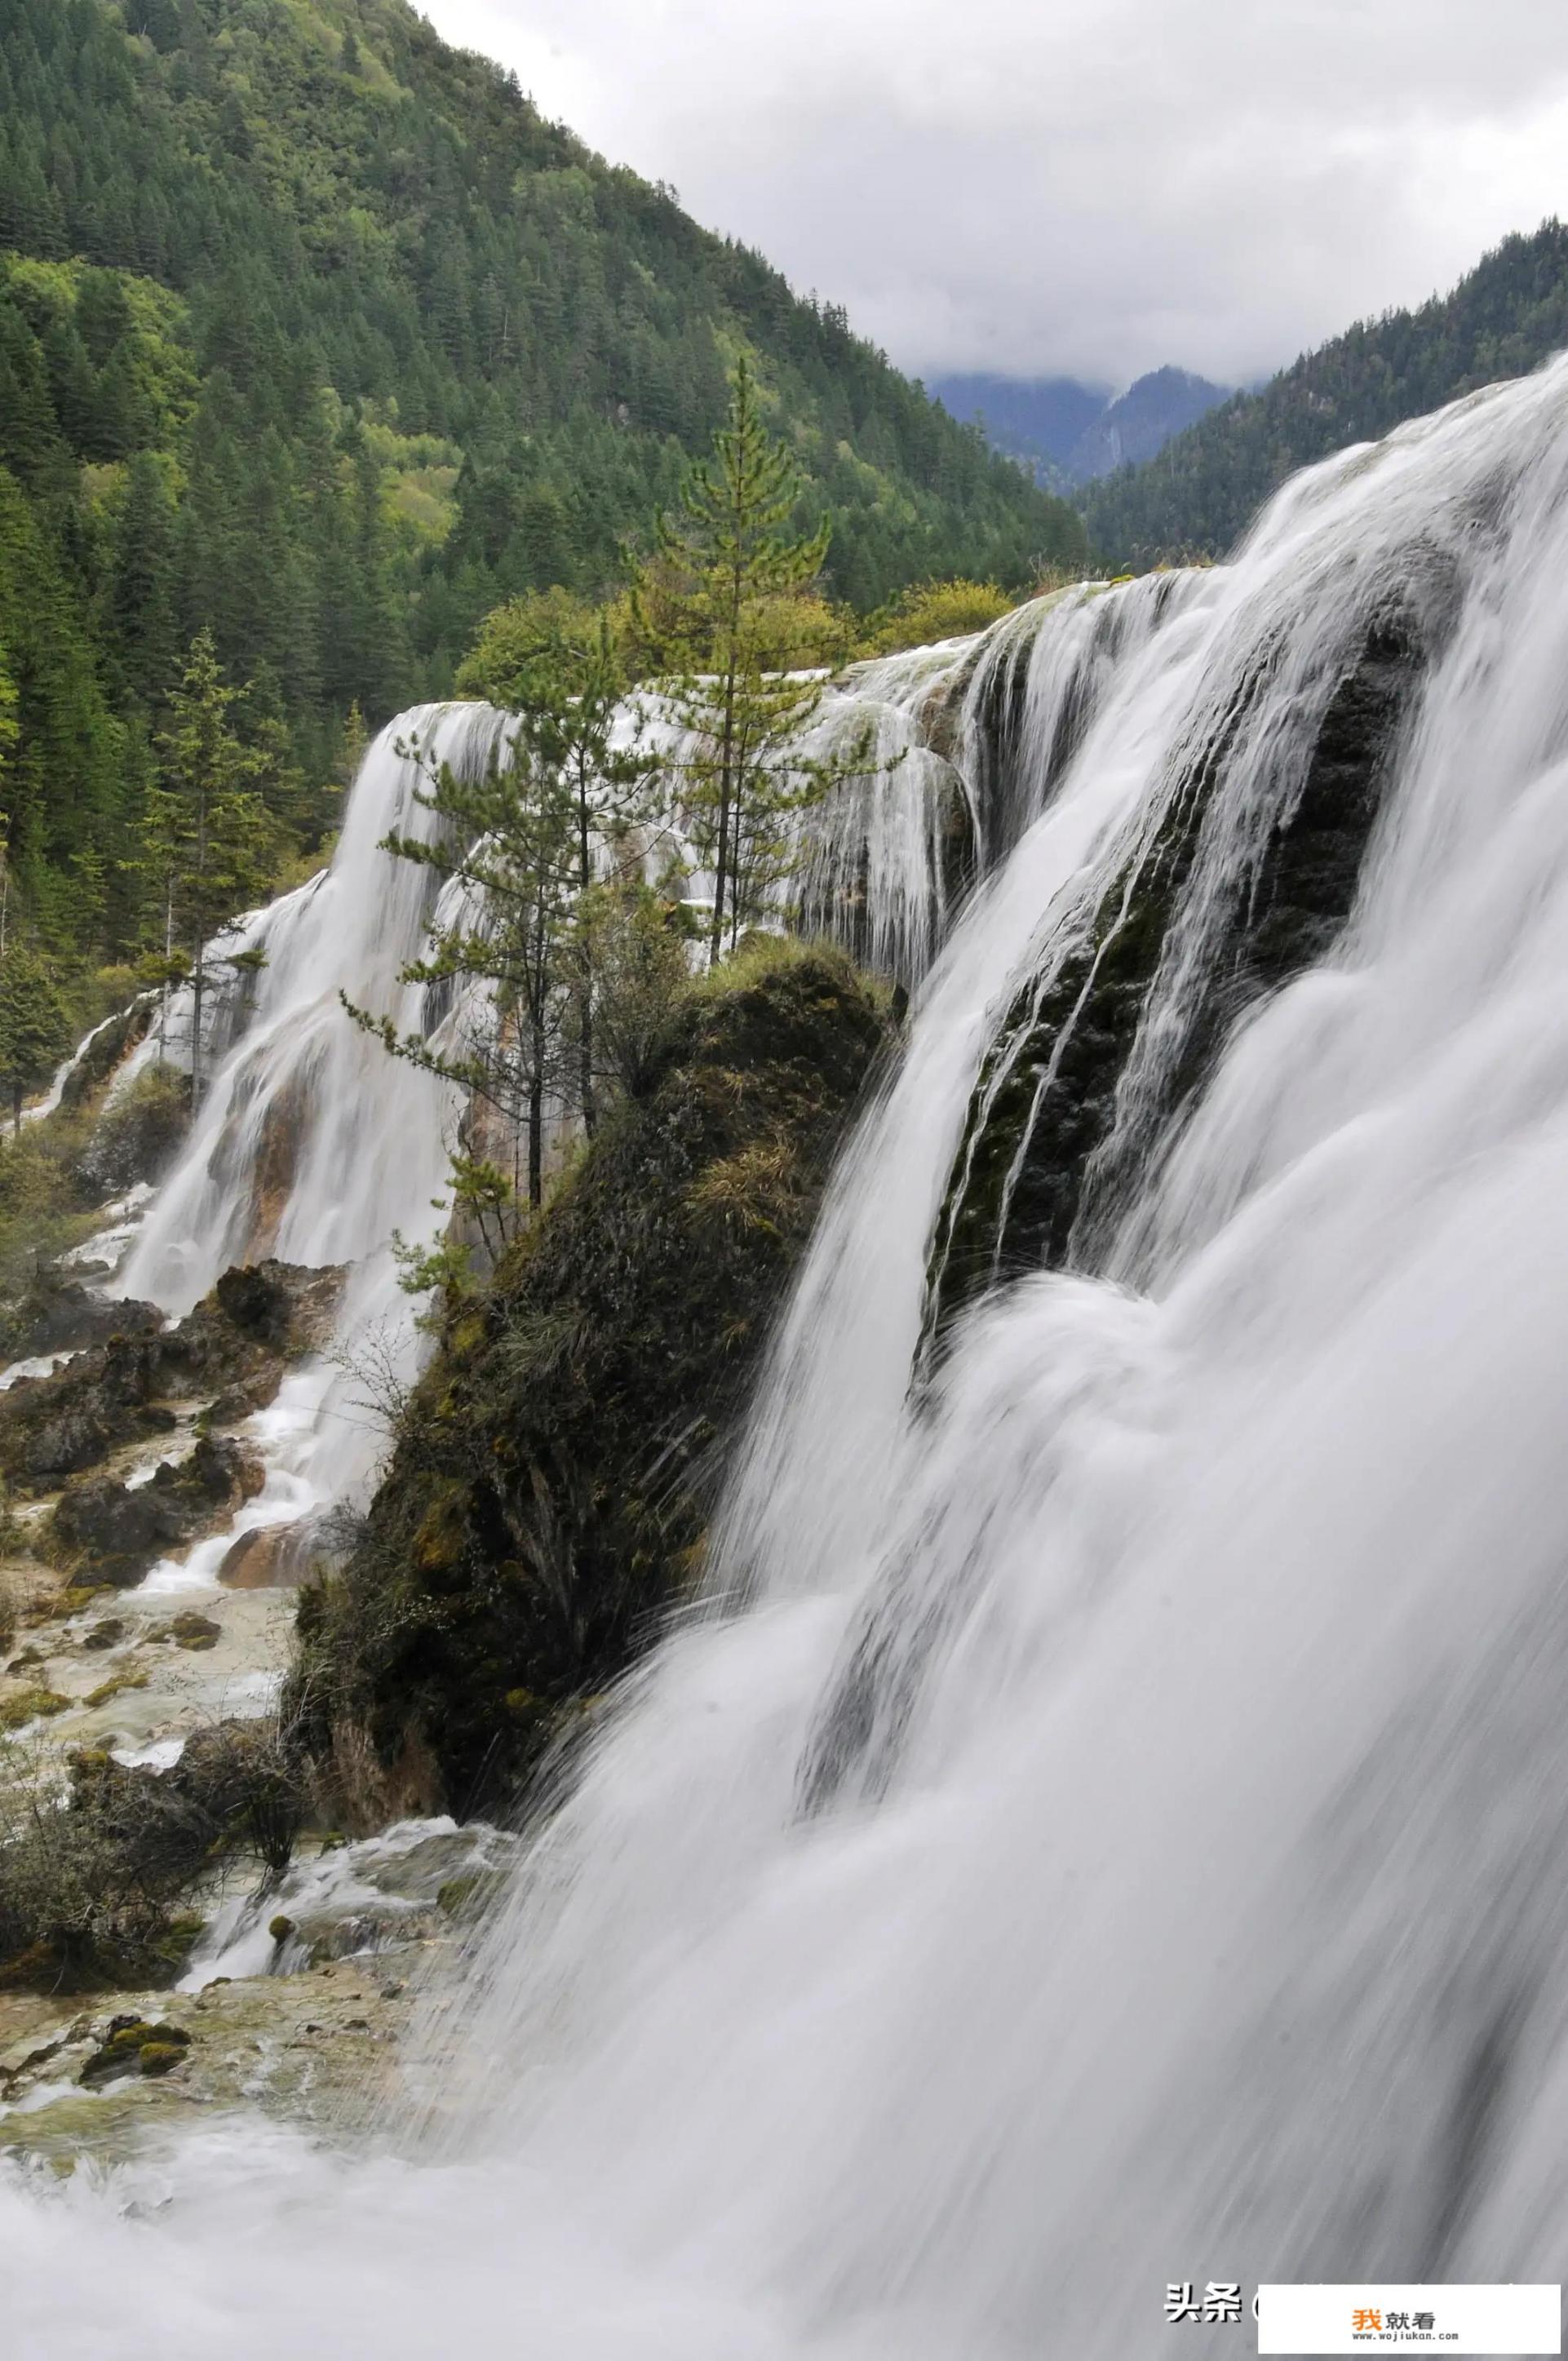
x=1106, y=1826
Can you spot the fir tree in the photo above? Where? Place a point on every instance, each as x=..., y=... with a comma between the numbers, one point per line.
x=507, y=838
x=713, y=606
x=35, y=1031
x=207, y=834
x=554, y=662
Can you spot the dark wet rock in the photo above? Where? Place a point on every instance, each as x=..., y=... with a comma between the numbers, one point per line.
x=549, y=1491
x=195, y=1632
x=258, y=1318
x=131, y=2044
x=234, y=1345
x=118, y=1532
x=59, y=1314
x=1041, y=1179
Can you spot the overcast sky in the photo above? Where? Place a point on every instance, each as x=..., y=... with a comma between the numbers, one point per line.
x=1085, y=186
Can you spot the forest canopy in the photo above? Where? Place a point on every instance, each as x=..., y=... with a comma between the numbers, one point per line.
x=317, y=337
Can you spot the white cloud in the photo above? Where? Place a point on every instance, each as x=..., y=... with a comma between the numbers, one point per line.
x=1094, y=186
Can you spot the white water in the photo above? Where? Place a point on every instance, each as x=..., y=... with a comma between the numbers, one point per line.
x=1195, y=1908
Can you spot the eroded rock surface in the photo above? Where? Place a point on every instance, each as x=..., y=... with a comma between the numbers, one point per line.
x=231, y=1352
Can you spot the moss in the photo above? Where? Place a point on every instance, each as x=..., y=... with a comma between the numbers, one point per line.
x=131, y=2044
x=159, y=2056
x=196, y=1632
x=31, y=1704
x=77, y=1598
x=465, y=1897
x=108, y=1691
x=554, y=1472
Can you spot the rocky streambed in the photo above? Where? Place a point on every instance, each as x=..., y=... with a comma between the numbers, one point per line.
x=150, y=1555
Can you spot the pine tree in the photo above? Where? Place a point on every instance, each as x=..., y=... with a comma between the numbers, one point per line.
x=142, y=586
x=553, y=662
x=713, y=605
x=207, y=834
x=508, y=839
x=34, y=1027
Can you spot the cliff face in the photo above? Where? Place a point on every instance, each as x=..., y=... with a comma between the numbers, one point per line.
x=553, y=1473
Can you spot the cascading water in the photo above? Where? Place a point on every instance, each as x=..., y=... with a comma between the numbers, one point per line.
x=312, y=1144
x=1108, y=1829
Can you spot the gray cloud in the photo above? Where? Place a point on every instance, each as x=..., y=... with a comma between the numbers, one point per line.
x=1091, y=186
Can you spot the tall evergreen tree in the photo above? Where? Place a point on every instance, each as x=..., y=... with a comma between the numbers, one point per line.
x=713, y=605
x=208, y=838
x=554, y=662
x=36, y=1030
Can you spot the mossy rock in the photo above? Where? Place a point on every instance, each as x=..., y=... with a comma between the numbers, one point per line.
x=107, y=1691
x=159, y=2056
x=30, y=1705
x=554, y=1471
x=194, y=1631
x=466, y=1897
x=128, y=2046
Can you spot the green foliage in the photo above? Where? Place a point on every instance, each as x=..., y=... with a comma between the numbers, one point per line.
x=553, y=1477
x=314, y=334
x=90, y=1883
x=36, y=1028
x=1197, y=497
x=522, y=840
x=929, y=611
x=712, y=606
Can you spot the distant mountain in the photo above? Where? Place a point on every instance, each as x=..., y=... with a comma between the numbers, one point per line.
x=1142, y=422
x=1068, y=431
x=1038, y=419
x=1196, y=497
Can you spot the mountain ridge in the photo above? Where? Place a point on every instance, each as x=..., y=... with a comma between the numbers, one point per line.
x=1196, y=497
x=316, y=334
x=1067, y=430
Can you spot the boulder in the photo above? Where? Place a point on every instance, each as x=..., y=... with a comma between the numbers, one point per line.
x=118, y=1531
x=553, y=1473
x=232, y=1348
x=59, y=1314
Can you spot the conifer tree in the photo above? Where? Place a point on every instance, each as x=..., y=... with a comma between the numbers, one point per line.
x=207, y=834
x=34, y=1027
x=713, y=606
x=554, y=662
x=507, y=840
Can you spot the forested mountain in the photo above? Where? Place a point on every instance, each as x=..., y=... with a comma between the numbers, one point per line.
x=315, y=334
x=1198, y=495
x=1141, y=421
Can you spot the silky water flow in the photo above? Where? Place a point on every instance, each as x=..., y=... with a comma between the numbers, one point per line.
x=1105, y=1826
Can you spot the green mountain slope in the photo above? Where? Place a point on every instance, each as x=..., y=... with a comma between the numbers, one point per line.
x=314, y=332
x=1506, y=317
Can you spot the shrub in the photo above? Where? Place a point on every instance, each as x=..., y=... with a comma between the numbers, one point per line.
x=138, y=1136
x=91, y=1876
x=934, y=610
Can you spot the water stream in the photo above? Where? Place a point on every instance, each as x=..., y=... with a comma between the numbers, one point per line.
x=1107, y=1826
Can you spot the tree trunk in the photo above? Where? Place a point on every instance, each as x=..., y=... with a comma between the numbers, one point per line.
x=198, y=990
x=586, y=1015
x=536, y=1135
x=16, y=1110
